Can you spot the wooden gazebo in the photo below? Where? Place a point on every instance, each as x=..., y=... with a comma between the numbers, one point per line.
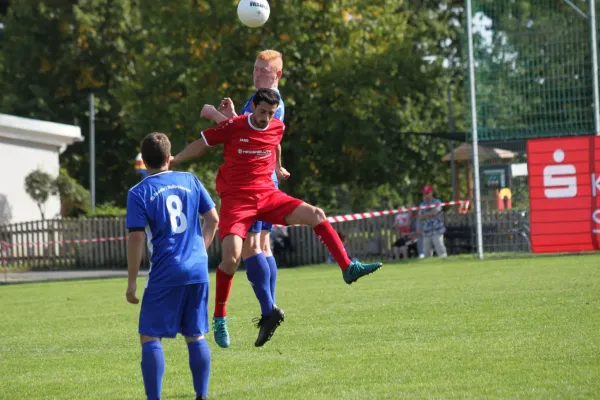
x=463, y=154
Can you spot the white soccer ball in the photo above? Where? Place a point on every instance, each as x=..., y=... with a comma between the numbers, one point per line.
x=253, y=13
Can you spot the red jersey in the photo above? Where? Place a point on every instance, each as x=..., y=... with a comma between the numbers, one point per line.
x=249, y=153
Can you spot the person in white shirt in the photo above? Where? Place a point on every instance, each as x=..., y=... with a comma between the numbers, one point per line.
x=431, y=224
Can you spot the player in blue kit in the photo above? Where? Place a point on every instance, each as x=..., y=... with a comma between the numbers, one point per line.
x=164, y=209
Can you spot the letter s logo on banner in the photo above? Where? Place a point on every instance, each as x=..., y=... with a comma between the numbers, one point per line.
x=560, y=181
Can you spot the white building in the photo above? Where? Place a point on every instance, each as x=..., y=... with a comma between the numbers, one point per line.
x=26, y=145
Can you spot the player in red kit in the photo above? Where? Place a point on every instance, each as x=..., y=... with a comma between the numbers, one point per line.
x=247, y=194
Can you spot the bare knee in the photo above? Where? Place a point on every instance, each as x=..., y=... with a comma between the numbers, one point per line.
x=251, y=245
x=266, y=247
x=190, y=339
x=318, y=216
x=146, y=339
x=265, y=243
x=306, y=214
x=229, y=263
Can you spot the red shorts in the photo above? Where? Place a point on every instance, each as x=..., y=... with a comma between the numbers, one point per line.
x=239, y=210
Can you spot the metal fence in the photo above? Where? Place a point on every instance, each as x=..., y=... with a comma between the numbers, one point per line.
x=533, y=73
x=101, y=242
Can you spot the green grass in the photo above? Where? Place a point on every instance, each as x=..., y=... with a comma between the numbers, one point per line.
x=455, y=329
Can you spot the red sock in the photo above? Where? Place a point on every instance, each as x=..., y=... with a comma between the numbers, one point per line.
x=222, y=292
x=331, y=240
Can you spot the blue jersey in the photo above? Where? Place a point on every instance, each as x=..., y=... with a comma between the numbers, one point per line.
x=166, y=206
x=279, y=114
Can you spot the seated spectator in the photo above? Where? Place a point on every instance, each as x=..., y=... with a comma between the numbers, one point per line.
x=281, y=244
x=406, y=244
x=415, y=231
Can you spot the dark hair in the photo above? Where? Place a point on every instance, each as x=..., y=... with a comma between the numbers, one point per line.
x=342, y=236
x=268, y=96
x=156, y=149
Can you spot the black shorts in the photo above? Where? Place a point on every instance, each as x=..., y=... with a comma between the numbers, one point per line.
x=400, y=242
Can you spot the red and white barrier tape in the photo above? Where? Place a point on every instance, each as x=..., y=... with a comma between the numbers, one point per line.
x=354, y=217
x=339, y=218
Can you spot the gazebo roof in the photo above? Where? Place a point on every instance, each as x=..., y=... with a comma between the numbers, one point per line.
x=464, y=152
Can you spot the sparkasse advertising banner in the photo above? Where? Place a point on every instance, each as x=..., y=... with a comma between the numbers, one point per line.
x=564, y=190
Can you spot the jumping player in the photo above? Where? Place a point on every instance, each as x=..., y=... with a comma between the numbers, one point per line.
x=256, y=250
x=247, y=194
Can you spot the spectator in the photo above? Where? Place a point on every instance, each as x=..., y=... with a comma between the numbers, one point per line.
x=431, y=224
x=414, y=229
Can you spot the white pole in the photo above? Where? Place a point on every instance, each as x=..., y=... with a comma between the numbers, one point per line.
x=474, y=131
x=594, y=65
x=451, y=129
x=92, y=157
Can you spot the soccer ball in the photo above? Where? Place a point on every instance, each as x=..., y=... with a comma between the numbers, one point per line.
x=253, y=13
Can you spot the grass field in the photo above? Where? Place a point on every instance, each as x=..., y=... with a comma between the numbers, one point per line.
x=445, y=329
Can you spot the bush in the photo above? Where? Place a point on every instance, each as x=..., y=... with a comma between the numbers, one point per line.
x=108, y=210
x=74, y=198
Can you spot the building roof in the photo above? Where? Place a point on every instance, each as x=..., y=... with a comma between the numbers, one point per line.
x=37, y=131
x=464, y=152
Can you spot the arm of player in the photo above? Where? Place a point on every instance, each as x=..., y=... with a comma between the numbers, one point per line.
x=207, y=209
x=135, y=248
x=227, y=108
x=210, y=137
x=210, y=112
x=136, y=222
x=193, y=150
x=200, y=146
x=282, y=173
x=209, y=226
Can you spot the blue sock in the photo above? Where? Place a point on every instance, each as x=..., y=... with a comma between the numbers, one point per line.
x=259, y=275
x=200, y=365
x=273, y=268
x=153, y=368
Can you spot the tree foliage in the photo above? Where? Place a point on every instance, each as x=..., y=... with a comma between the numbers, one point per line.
x=534, y=69
x=74, y=198
x=57, y=53
x=39, y=185
x=359, y=77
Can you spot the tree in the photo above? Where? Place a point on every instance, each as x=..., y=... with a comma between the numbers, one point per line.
x=359, y=76
x=356, y=78
x=534, y=69
x=39, y=185
x=56, y=53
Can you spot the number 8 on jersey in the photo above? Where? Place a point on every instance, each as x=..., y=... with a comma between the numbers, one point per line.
x=177, y=217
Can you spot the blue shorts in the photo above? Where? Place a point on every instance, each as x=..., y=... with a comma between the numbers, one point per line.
x=258, y=226
x=167, y=311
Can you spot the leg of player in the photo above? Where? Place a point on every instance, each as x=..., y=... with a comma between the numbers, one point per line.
x=305, y=214
x=153, y=366
x=199, y=358
x=265, y=245
x=258, y=270
x=259, y=275
x=232, y=248
x=194, y=324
